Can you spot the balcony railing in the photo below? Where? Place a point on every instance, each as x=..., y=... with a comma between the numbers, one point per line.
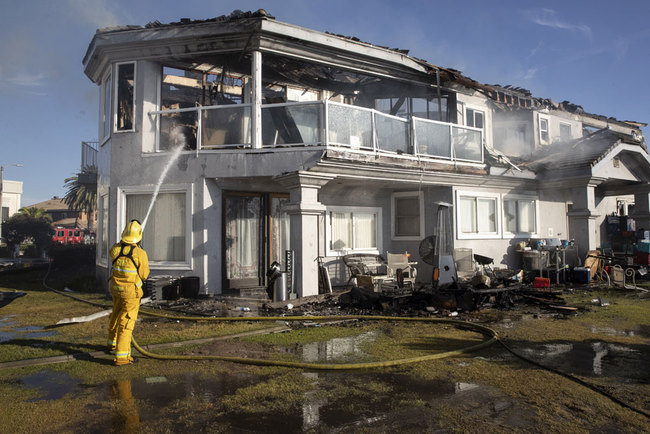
x=89, y=155
x=318, y=123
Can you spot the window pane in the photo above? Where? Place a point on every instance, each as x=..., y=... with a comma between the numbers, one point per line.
x=470, y=117
x=280, y=239
x=407, y=216
x=526, y=209
x=125, y=85
x=486, y=215
x=467, y=214
x=510, y=215
x=478, y=119
x=164, y=235
x=341, y=230
x=365, y=231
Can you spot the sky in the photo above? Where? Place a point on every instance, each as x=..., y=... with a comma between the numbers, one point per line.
x=593, y=53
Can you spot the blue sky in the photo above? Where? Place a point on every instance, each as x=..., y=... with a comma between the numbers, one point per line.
x=593, y=53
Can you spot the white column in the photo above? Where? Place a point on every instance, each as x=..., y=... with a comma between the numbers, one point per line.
x=304, y=211
x=256, y=115
x=583, y=214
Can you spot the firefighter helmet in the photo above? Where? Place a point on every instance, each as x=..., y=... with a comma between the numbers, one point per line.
x=132, y=233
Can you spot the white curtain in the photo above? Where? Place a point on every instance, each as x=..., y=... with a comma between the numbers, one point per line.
x=365, y=231
x=486, y=215
x=341, y=223
x=164, y=235
x=242, y=236
x=526, y=209
x=467, y=214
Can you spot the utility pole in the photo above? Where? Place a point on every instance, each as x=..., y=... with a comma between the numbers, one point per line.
x=2, y=181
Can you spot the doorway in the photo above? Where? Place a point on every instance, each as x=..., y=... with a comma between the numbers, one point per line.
x=256, y=233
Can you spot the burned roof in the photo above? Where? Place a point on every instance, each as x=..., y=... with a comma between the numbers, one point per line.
x=583, y=152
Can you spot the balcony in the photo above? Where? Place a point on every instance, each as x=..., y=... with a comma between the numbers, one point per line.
x=318, y=123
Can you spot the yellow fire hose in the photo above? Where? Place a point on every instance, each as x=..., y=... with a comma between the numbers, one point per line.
x=329, y=366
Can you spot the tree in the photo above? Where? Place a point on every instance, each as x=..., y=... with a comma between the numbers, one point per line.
x=29, y=224
x=82, y=195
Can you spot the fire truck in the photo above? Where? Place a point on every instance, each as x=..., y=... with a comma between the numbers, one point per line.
x=67, y=236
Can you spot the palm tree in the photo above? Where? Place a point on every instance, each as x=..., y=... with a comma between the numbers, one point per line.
x=36, y=213
x=82, y=195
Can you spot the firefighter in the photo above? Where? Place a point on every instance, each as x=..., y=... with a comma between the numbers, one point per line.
x=130, y=269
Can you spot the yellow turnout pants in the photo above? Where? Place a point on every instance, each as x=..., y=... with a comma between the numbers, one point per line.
x=121, y=323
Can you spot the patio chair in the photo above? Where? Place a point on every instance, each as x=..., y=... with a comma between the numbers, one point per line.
x=369, y=270
x=401, y=270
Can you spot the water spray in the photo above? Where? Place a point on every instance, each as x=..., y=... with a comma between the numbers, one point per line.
x=176, y=152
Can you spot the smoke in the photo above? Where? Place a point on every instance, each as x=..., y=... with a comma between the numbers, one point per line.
x=176, y=152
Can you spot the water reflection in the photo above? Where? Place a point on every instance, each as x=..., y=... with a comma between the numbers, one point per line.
x=125, y=417
x=52, y=385
x=338, y=349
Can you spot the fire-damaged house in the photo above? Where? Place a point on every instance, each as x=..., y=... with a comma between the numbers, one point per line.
x=323, y=145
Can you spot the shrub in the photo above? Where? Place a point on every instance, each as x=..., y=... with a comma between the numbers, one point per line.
x=68, y=254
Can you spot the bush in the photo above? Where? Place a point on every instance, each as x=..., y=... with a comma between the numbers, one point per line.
x=5, y=252
x=30, y=251
x=85, y=283
x=69, y=254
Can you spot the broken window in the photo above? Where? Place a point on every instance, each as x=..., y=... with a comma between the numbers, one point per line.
x=5, y=213
x=543, y=130
x=405, y=107
x=519, y=216
x=125, y=96
x=354, y=229
x=565, y=132
x=106, y=115
x=184, y=90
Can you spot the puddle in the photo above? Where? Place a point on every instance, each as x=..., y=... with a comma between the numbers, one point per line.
x=52, y=385
x=10, y=332
x=643, y=331
x=595, y=359
x=338, y=349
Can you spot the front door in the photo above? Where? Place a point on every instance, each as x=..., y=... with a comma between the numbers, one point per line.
x=256, y=233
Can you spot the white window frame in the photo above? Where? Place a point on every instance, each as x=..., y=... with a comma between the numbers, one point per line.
x=106, y=117
x=517, y=197
x=548, y=129
x=123, y=192
x=478, y=195
x=365, y=210
x=393, y=215
x=564, y=124
x=114, y=102
x=481, y=110
x=102, y=215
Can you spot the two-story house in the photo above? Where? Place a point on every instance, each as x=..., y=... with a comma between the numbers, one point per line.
x=290, y=138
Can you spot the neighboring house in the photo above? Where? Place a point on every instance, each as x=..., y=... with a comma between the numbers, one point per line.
x=294, y=138
x=62, y=216
x=12, y=192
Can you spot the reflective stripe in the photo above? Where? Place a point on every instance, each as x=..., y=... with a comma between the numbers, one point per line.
x=123, y=354
x=123, y=270
x=112, y=342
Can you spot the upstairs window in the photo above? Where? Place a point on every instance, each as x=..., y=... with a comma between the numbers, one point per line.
x=125, y=97
x=543, y=130
x=474, y=118
x=565, y=132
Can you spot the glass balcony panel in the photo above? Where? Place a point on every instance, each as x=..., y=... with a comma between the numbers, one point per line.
x=292, y=124
x=433, y=139
x=350, y=126
x=226, y=126
x=392, y=134
x=467, y=144
x=178, y=129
